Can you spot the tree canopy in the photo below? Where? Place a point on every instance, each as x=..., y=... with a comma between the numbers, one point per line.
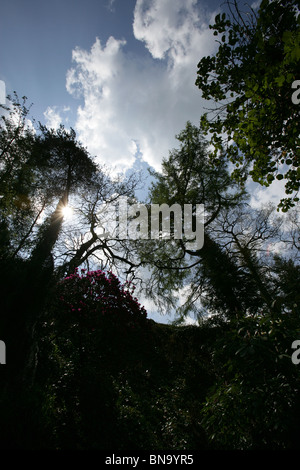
x=228, y=274
x=251, y=80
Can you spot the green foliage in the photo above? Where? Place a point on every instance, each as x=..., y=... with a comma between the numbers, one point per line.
x=254, y=403
x=91, y=320
x=223, y=385
x=108, y=378
x=251, y=75
x=16, y=205
x=87, y=369
x=114, y=379
x=226, y=275
x=38, y=168
x=190, y=177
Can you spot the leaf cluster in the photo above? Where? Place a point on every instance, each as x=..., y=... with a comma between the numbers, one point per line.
x=250, y=79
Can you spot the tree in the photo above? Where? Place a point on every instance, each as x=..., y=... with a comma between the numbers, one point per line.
x=230, y=274
x=41, y=171
x=39, y=167
x=254, y=402
x=66, y=168
x=246, y=234
x=94, y=325
x=251, y=80
x=90, y=241
x=189, y=177
x=16, y=205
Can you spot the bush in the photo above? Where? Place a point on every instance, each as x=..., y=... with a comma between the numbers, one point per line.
x=95, y=328
x=254, y=403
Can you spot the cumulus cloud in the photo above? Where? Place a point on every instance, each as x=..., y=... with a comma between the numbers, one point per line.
x=97, y=78
x=261, y=195
x=144, y=99
x=54, y=116
x=169, y=28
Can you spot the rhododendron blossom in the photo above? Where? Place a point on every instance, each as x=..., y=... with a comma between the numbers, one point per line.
x=99, y=292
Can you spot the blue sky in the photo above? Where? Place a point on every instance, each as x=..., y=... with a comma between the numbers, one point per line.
x=121, y=72
x=37, y=38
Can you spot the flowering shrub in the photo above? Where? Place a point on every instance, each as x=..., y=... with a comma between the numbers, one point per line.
x=94, y=319
x=100, y=293
x=95, y=329
x=94, y=322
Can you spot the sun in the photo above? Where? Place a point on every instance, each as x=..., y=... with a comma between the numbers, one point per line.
x=67, y=212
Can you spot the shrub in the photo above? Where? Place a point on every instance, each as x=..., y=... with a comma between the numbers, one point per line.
x=95, y=329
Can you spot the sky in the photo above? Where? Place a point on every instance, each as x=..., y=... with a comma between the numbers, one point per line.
x=120, y=72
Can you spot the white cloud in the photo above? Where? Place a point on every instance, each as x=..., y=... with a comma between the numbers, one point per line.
x=54, y=116
x=169, y=28
x=261, y=195
x=144, y=99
